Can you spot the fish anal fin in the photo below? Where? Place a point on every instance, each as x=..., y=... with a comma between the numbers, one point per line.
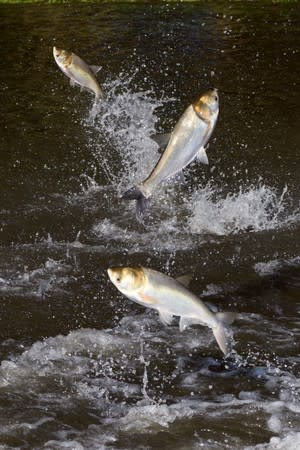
x=185, y=322
x=95, y=69
x=226, y=317
x=202, y=156
x=165, y=317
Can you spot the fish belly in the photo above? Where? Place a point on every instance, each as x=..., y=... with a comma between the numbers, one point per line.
x=84, y=78
x=175, y=299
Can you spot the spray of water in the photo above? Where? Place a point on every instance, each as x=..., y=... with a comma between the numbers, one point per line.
x=124, y=123
x=251, y=209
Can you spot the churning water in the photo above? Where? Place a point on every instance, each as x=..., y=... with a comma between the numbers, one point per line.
x=82, y=367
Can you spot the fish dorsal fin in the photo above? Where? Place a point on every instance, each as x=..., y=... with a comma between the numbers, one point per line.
x=95, y=69
x=185, y=279
x=165, y=317
x=162, y=140
x=202, y=156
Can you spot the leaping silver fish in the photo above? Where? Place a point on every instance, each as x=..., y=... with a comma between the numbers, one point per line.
x=187, y=142
x=170, y=298
x=78, y=71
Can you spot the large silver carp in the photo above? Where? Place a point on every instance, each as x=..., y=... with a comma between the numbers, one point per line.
x=170, y=298
x=187, y=142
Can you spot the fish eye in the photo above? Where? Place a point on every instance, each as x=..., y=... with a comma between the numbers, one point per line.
x=216, y=98
x=118, y=279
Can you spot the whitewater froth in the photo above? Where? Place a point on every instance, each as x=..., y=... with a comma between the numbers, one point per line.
x=254, y=208
x=207, y=212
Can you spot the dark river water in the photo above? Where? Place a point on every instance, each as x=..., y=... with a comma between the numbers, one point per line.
x=83, y=367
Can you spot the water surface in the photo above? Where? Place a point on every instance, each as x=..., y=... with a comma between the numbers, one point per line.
x=81, y=366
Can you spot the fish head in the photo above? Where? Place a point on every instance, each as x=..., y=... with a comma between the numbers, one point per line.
x=62, y=57
x=127, y=278
x=207, y=105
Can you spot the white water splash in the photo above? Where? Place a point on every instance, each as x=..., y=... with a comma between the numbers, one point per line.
x=207, y=212
x=125, y=121
x=52, y=274
x=253, y=208
x=99, y=372
x=147, y=399
x=124, y=151
x=273, y=266
x=291, y=442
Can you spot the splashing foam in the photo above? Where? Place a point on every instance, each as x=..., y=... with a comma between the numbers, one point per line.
x=291, y=442
x=207, y=212
x=125, y=120
x=124, y=123
x=88, y=369
x=251, y=209
x=274, y=266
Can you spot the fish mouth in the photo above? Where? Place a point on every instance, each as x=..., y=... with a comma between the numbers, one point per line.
x=56, y=51
x=113, y=275
x=212, y=90
x=110, y=273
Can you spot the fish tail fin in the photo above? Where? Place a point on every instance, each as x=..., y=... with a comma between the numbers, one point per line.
x=99, y=96
x=142, y=202
x=222, y=333
x=223, y=338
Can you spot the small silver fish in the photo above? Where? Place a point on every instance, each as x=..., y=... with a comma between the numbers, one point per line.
x=186, y=143
x=78, y=71
x=170, y=298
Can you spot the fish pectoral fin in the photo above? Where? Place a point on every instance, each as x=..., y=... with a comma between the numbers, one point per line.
x=202, y=156
x=162, y=140
x=95, y=69
x=165, y=317
x=185, y=322
x=147, y=299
